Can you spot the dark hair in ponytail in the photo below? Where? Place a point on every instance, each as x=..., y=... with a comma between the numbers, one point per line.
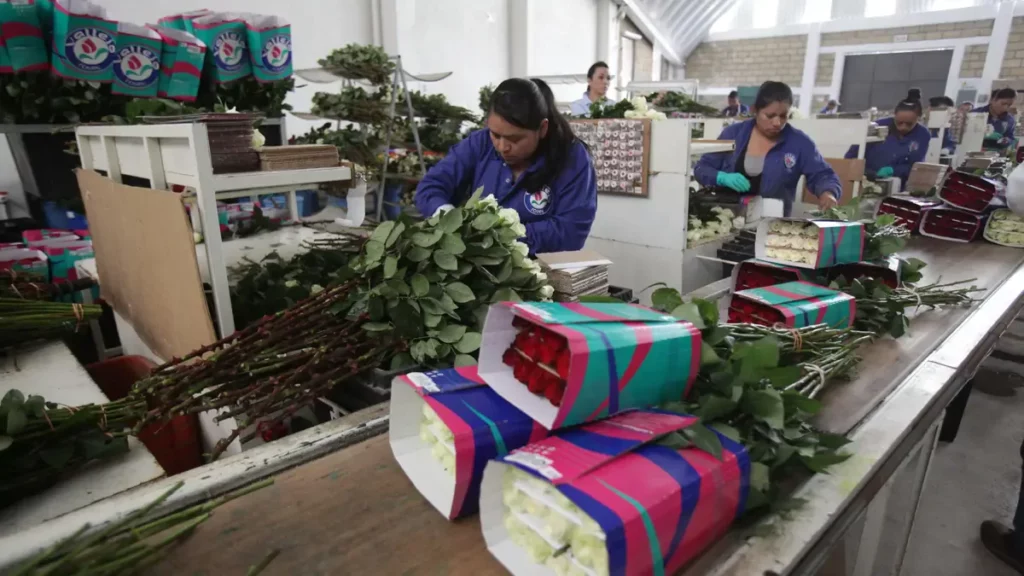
x=525, y=104
x=912, y=105
x=771, y=92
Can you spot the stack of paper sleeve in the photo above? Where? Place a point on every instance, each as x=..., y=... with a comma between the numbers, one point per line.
x=575, y=274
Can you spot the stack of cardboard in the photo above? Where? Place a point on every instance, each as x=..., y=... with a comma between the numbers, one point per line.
x=299, y=157
x=925, y=176
x=575, y=274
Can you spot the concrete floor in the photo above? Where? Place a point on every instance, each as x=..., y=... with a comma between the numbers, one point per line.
x=971, y=480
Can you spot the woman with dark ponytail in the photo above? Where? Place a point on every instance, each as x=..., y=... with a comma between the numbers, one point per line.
x=527, y=158
x=905, y=145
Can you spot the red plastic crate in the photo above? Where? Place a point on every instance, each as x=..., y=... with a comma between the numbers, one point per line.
x=952, y=224
x=175, y=444
x=969, y=192
x=908, y=210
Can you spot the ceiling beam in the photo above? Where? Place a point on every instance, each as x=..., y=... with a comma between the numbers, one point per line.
x=668, y=46
x=674, y=12
x=700, y=29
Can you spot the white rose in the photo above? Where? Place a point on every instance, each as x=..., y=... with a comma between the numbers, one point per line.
x=522, y=248
x=542, y=276
x=258, y=139
x=489, y=202
x=519, y=229
x=531, y=266
x=739, y=222
x=291, y=283
x=509, y=215
x=546, y=291
x=639, y=104
x=316, y=289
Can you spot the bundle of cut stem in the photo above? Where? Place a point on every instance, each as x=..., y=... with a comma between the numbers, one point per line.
x=128, y=546
x=27, y=320
x=878, y=309
x=270, y=369
x=27, y=290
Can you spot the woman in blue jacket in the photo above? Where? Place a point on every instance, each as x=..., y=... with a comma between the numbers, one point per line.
x=770, y=155
x=1001, y=124
x=530, y=161
x=906, y=144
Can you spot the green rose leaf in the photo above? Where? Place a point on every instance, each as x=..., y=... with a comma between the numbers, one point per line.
x=5, y=442
x=453, y=243
x=390, y=266
x=446, y=260
x=760, y=476
x=708, y=356
x=666, y=299
x=376, y=326
x=459, y=292
x=506, y=295
x=418, y=254
x=464, y=360
x=452, y=333
x=689, y=313
x=427, y=239
x=469, y=343
x=451, y=220
x=395, y=234
x=420, y=285
x=12, y=399
x=820, y=463
x=35, y=405
x=728, y=431
x=407, y=320
x=801, y=402
x=16, y=420
x=401, y=361
x=58, y=455
x=766, y=405
x=713, y=407
x=382, y=232
x=432, y=320
x=703, y=438
x=485, y=221
x=374, y=251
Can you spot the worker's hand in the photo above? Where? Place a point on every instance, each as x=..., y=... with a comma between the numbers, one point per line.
x=992, y=134
x=442, y=209
x=885, y=172
x=1004, y=141
x=827, y=200
x=737, y=182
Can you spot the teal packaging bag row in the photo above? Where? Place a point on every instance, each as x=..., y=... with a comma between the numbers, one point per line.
x=270, y=47
x=227, y=52
x=182, y=21
x=5, y=60
x=44, y=8
x=137, y=63
x=22, y=35
x=181, y=64
x=84, y=42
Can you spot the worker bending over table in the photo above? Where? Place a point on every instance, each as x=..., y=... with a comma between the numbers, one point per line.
x=905, y=144
x=1001, y=124
x=527, y=158
x=770, y=155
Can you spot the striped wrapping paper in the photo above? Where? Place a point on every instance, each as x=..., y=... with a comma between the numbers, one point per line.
x=805, y=304
x=838, y=243
x=658, y=507
x=484, y=424
x=623, y=357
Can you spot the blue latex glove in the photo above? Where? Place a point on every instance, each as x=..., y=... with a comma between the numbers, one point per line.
x=993, y=135
x=737, y=182
x=885, y=172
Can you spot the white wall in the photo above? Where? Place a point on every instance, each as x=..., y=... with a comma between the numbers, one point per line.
x=469, y=38
x=562, y=40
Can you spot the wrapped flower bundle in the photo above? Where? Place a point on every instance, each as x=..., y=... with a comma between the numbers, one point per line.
x=1006, y=228
x=908, y=210
x=539, y=358
x=757, y=274
x=970, y=192
x=793, y=304
x=951, y=224
x=810, y=244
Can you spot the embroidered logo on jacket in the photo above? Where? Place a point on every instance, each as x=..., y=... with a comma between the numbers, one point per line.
x=539, y=202
x=914, y=146
x=790, y=160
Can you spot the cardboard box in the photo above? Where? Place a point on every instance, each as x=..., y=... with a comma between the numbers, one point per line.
x=28, y=261
x=654, y=507
x=621, y=357
x=850, y=172
x=63, y=257
x=833, y=242
x=48, y=237
x=756, y=273
x=924, y=176
x=482, y=424
x=793, y=304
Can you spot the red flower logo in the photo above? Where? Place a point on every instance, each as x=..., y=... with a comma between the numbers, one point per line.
x=275, y=52
x=134, y=63
x=228, y=49
x=89, y=47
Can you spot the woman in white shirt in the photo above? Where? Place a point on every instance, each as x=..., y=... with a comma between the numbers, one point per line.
x=598, y=80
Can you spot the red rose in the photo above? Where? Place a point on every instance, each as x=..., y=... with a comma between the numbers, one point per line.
x=510, y=358
x=549, y=348
x=536, y=379
x=521, y=371
x=520, y=322
x=555, y=392
x=562, y=364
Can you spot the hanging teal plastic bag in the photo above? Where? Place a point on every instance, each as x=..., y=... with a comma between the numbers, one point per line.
x=182, y=21
x=137, y=64
x=181, y=64
x=228, y=51
x=5, y=60
x=84, y=41
x=270, y=47
x=22, y=36
x=44, y=8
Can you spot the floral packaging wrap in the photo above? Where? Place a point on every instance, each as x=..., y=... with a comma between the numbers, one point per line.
x=228, y=54
x=756, y=273
x=183, y=21
x=1005, y=228
x=886, y=271
x=971, y=192
x=793, y=304
x=908, y=210
x=62, y=258
x=137, y=63
x=609, y=499
x=181, y=64
x=809, y=243
x=22, y=37
x=28, y=261
x=270, y=47
x=41, y=237
x=952, y=224
x=84, y=41
x=602, y=358
x=445, y=426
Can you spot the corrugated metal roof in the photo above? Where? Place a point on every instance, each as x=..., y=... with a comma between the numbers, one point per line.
x=685, y=22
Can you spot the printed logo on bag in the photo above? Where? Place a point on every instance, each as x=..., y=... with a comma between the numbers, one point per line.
x=136, y=66
x=539, y=202
x=790, y=160
x=89, y=49
x=277, y=53
x=229, y=51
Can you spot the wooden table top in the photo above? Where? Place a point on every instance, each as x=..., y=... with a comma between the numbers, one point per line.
x=355, y=512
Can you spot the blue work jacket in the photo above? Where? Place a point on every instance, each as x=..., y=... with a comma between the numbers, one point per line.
x=1004, y=125
x=794, y=155
x=557, y=217
x=896, y=152
x=738, y=110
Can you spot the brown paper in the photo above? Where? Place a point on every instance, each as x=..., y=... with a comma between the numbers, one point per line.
x=849, y=170
x=146, y=261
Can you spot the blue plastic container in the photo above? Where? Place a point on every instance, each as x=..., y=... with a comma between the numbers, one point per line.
x=61, y=219
x=309, y=202
x=392, y=196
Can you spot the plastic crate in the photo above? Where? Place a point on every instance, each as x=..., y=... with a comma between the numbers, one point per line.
x=61, y=219
x=175, y=444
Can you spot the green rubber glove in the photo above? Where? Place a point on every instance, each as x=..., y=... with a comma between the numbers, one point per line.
x=885, y=172
x=993, y=135
x=737, y=182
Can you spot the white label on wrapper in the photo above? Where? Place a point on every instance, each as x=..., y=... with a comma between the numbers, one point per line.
x=423, y=381
x=533, y=461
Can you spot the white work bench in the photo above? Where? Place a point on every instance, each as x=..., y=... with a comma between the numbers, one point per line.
x=51, y=371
